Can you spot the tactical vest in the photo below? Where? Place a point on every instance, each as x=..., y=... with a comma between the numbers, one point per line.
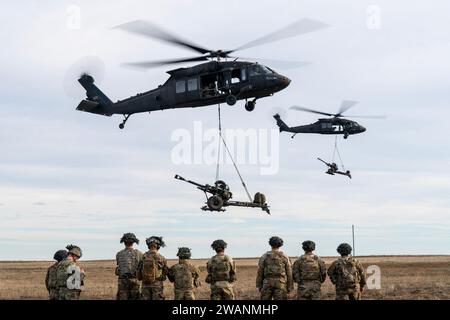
x=308, y=267
x=52, y=276
x=127, y=262
x=347, y=273
x=220, y=268
x=151, y=268
x=183, y=277
x=274, y=265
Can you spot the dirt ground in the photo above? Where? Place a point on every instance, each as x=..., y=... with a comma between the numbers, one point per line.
x=402, y=277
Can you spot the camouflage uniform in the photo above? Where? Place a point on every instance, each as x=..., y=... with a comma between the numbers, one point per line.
x=127, y=264
x=152, y=271
x=221, y=274
x=309, y=272
x=185, y=276
x=274, y=278
x=50, y=281
x=348, y=275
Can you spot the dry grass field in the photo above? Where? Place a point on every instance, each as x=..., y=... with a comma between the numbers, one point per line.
x=402, y=277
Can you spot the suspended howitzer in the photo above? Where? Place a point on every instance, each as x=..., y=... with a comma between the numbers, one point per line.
x=333, y=169
x=219, y=196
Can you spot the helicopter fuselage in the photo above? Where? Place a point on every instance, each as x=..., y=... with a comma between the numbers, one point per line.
x=328, y=126
x=205, y=84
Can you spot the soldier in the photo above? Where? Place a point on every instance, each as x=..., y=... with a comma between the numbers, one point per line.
x=153, y=270
x=221, y=273
x=127, y=263
x=184, y=275
x=274, y=278
x=69, y=276
x=50, y=278
x=309, y=273
x=347, y=274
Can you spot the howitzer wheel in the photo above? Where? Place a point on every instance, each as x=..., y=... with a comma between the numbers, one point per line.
x=215, y=203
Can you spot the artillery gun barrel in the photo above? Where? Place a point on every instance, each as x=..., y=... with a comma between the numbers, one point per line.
x=203, y=187
x=323, y=161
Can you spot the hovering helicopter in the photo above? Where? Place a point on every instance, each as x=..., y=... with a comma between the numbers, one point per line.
x=209, y=83
x=335, y=125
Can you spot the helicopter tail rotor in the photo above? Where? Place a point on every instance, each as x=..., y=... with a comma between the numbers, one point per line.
x=97, y=102
x=280, y=123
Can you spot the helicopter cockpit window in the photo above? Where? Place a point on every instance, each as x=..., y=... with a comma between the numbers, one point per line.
x=257, y=70
x=192, y=84
x=180, y=86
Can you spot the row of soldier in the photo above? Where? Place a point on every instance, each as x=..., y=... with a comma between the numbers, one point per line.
x=142, y=275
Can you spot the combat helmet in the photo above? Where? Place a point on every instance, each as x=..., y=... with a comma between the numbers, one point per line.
x=184, y=253
x=75, y=250
x=60, y=255
x=344, y=249
x=276, y=242
x=308, y=246
x=155, y=240
x=129, y=237
x=219, y=244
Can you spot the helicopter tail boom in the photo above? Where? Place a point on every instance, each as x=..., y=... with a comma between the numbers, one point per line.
x=283, y=126
x=97, y=102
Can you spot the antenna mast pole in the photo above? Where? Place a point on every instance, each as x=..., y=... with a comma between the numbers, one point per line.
x=353, y=240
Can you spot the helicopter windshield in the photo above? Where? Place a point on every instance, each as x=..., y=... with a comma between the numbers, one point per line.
x=257, y=70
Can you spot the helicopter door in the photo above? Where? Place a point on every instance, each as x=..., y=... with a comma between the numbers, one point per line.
x=192, y=89
x=180, y=91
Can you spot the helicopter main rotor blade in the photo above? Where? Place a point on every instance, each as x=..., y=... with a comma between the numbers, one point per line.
x=148, y=29
x=298, y=108
x=282, y=64
x=345, y=105
x=153, y=64
x=366, y=117
x=299, y=27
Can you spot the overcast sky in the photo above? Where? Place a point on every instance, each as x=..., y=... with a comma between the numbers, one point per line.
x=73, y=177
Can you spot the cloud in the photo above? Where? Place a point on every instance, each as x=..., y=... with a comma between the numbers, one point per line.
x=98, y=182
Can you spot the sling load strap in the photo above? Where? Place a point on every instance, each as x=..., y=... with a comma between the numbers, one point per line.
x=336, y=150
x=219, y=146
x=231, y=157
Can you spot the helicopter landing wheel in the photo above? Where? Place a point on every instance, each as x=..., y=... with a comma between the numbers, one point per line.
x=345, y=135
x=250, y=105
x=231, y=100
x=122, y=125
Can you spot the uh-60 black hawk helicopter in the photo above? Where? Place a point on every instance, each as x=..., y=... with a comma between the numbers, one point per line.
x=335, y=125
x=216, y=81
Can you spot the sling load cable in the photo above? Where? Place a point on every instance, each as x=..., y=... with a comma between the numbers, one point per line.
x=231, y=157
x=219, y=146
x=336, y=150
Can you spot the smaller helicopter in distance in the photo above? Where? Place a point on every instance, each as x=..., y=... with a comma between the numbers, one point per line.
x=335, y=125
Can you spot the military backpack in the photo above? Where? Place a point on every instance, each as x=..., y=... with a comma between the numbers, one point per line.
x=347, y=273
x=183, y=277
x=150, y=268
x=274, y=265
x=309, y=268
x=220, y=268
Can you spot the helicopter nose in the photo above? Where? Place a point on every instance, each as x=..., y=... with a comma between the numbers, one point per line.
x=363, y=129
x=284, y=81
